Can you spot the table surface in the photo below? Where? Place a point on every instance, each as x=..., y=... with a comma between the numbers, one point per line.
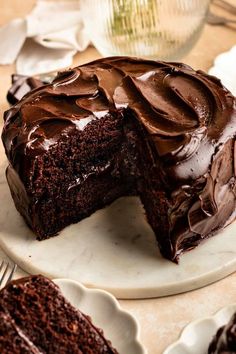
x=162, y=319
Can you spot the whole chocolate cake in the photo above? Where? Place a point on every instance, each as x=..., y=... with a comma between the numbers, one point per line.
x=224, y=341
x=124, y=126
x=35, y=318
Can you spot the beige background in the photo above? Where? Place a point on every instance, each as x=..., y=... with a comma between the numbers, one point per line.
x=161, y=320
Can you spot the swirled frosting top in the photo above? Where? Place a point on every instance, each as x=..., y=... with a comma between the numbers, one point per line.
x=185, y=113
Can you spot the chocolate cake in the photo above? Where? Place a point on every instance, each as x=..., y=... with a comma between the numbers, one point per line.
x=123, y=126
x=36, y=318
x=224, y=341
x=21, y=85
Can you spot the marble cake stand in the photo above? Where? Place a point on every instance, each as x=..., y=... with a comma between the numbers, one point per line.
x=115, y=250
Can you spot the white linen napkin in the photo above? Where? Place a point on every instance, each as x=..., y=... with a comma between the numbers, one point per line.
x=46, y=39
x=225, y=69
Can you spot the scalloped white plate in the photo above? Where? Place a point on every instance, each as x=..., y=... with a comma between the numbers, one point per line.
x=196, y=337
x=225, y=69
x=118, y=325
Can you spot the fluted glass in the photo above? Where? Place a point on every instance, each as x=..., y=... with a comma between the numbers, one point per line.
x=155, y=29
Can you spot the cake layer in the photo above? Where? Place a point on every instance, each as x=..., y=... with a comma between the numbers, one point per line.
x=12, y=339
x=172, y=141
x=37, y=317
x=86, y=170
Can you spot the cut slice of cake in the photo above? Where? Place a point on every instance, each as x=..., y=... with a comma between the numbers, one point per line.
x=224, y=342
x=36, y=318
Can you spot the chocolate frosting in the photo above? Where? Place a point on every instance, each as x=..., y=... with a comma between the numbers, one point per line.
x=188, y=117
x=21, y=85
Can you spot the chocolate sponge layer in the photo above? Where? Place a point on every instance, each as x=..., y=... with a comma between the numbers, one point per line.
x=36, y=318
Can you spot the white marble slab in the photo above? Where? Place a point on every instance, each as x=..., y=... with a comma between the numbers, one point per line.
x=115, y=250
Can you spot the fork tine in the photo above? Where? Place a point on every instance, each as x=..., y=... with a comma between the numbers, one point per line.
x=4, y=273
x=11, y=274
x=1, y=266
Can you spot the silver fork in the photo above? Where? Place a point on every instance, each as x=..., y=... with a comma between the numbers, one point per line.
x=6, y=273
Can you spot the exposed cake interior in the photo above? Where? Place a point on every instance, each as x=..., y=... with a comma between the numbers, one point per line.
x=92, y=165
x=78, y=175
x=11, y=338
x=44, y=321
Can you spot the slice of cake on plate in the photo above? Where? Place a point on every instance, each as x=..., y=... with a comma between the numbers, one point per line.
x=36, y=318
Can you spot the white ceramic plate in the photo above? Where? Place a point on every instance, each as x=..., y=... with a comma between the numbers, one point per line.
x=225, y=69
x=196, y=337
x=115, y=250
x=118, y=325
